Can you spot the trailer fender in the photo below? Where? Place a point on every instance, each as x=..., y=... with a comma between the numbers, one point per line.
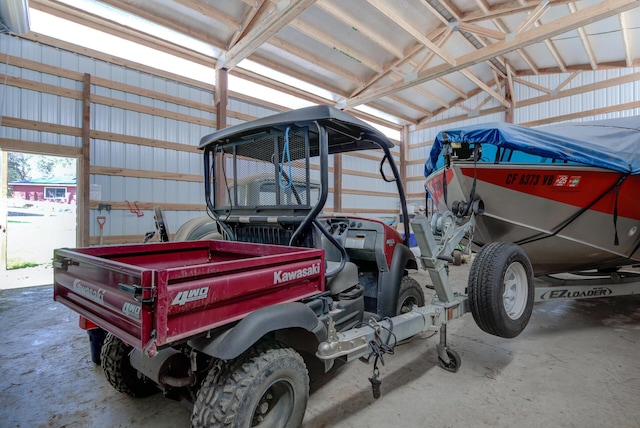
x=388, y=291
x=234, y=341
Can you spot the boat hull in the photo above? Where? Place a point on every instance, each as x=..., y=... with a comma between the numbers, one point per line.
x=561, y=215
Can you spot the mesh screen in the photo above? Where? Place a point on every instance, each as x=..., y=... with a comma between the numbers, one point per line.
x=269, y=171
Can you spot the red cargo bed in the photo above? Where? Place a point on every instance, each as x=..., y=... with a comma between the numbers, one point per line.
x=151, y=295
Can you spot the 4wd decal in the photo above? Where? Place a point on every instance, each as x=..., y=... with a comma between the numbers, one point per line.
x=565, y=293
x=283, y=276
x=187, y=296
x=88, y=292
x=131, y=310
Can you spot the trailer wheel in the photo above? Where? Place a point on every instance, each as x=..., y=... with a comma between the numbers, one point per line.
x=409, y=295
x=119, y=372
x=501, y=289
x=266, y=387
x=454, y=361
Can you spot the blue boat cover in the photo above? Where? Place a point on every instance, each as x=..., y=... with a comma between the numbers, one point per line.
x=612, y=144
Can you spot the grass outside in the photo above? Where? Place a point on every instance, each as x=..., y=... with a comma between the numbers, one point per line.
x=32, y=239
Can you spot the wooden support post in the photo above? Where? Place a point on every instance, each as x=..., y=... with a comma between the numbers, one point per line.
x=404, y=155
x=4, y=180
x=508, y=95
x=83, y=168
x=337, y=183
x=221, y=99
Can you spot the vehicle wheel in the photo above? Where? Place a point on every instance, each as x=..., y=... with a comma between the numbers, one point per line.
x=119, y=372
x=161, y=224
x=501, y=289
x=454, y=361
x=266, y=387
x=410, y=294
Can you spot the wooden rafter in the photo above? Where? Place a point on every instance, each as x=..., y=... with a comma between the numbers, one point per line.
x=284, y=13
x=532, y=85
x=533, y=16
x=391, y=12
x=448, y=32
x=211, y=12
x=585, y=40
x=481, y=31
x=452, y=87
x=255, y=11
x=566, y=81
x=554, y=52
x=335, y=44
x=625, y=39
x=361, y=27
x=506, y=9
x=486, y=8
x=301, y=53
x=579, y=19
x=479, y=83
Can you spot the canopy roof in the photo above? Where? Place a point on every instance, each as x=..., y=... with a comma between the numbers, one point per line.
x=612, y=144
x=345, y=132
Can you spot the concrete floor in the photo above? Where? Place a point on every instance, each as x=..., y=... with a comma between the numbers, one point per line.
x=576, y=365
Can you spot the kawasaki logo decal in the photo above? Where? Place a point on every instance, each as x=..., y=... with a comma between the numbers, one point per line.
x=283, y=276
x=88, y=292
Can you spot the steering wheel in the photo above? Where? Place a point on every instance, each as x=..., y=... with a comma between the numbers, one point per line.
x=161, y=225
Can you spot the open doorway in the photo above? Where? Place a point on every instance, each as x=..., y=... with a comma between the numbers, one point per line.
x=39, y=208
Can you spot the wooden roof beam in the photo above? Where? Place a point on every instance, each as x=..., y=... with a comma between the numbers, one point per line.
x=301, y=53
x=625, y=38
x=585, y=40
x=486, y=8
x=533, y=16
x=256, y=9
x=579, y=19
x=469, y=75
x=481, y=31
x=554, y=52
x=335, y=44
x=506, y=9
x=452, y=88
x=361, y=27
x=390, y=11
x=285, y=12
x=210, y=12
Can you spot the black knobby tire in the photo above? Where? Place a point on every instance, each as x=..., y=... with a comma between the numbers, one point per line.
x=410, y=294
x=501, y=289
x=266, y=387
x=119, y=372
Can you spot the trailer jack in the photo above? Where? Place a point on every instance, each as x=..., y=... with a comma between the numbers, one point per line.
x=437, y=240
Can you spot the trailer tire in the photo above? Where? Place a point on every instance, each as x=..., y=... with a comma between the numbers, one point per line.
x=267, y=386
x=501, y=289
x=409, y=295
x=119, y=372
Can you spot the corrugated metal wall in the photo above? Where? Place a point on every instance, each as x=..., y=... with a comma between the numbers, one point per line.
x=144, y=133
x=122, y=172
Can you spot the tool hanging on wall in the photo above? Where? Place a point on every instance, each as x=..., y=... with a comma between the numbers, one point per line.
x=101, y=221
x=135, y=208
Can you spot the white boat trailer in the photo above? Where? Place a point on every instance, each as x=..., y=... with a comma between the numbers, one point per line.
x=437, y=238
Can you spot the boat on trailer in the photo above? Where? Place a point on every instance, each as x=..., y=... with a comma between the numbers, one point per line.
x=568, y=195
